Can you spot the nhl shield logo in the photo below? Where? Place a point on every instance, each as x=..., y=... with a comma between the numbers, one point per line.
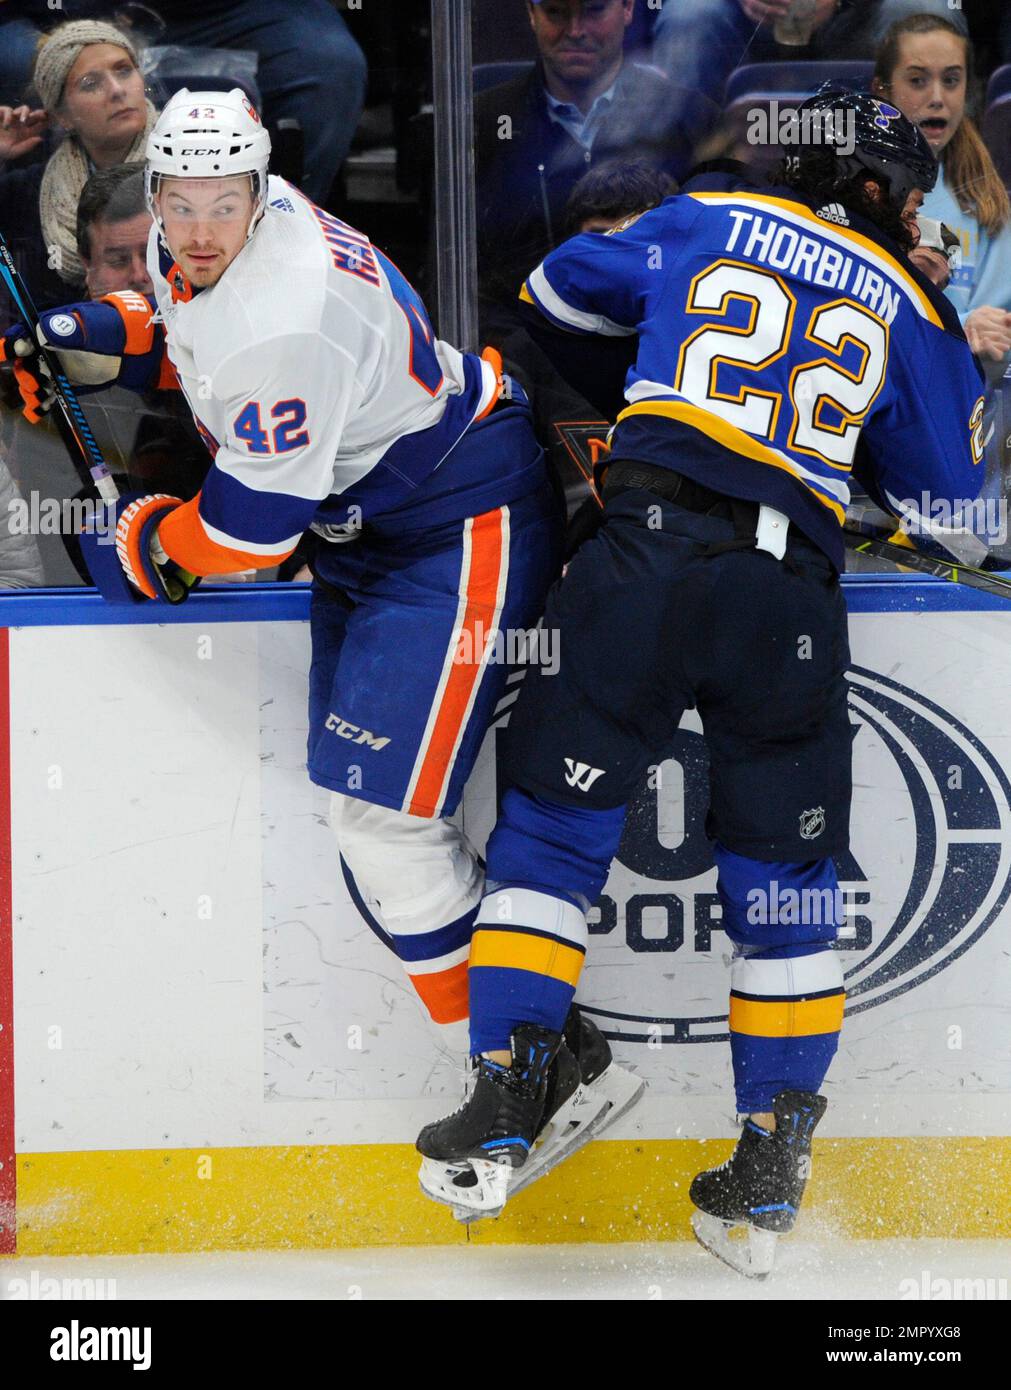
x=812, y=823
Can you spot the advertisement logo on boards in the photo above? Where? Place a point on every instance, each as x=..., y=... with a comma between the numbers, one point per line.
x=927, y=874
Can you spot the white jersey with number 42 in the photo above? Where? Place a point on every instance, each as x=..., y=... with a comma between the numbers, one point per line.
x=317, y=381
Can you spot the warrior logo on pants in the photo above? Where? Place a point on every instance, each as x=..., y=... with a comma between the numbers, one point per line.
x=581, y=775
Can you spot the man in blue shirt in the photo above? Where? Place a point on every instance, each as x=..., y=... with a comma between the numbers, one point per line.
x=581, y=104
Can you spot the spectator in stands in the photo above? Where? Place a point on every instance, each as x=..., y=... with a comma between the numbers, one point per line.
x=113, y=226
x=563, y=377
x=924, y=67
x=158, y=446
x=583, y=103
x=89, y=81
x=311, y=70
x=701, y=42
x=148, y=439
x=615, y=190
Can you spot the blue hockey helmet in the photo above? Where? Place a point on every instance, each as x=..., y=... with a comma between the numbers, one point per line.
x=869, y=135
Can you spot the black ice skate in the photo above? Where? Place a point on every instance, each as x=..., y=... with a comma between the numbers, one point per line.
x=617, y=1088
x=570, y=1121
x=584, y=1092
x=758, y=1191
x=470, y=1156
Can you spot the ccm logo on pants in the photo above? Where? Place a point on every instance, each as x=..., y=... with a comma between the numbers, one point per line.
x=343, y=729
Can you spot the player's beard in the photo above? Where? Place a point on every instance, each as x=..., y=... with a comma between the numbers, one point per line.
x=884, y=214
x=205, y=275
x=818, y=178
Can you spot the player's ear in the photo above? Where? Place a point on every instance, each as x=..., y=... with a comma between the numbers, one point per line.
x=879, y=88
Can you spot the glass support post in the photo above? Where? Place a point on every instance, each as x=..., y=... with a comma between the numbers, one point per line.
x=455, y=237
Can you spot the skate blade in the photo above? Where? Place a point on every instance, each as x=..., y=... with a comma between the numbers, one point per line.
x=621, y=1089
x=750, y=1252
x=486, y=1196
x=568, y=1130
x=586, y=1114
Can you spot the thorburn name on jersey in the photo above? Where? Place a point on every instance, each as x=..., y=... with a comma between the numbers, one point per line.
x=783, y=248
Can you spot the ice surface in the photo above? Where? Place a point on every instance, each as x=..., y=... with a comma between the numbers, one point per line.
x=881, y=1269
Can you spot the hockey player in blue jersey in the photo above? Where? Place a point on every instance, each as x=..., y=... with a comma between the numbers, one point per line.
x=327, y=401
x=779, y=327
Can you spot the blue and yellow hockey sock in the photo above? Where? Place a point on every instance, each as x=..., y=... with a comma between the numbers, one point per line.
x=786, y=993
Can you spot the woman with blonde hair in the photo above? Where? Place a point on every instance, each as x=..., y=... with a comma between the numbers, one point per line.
x=924, y=67
x=88, y=78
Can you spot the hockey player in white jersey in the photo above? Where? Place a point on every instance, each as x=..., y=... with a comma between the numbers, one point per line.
x=326, y=400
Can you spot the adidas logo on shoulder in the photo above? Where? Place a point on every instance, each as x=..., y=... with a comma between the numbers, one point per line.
x=834, y=212
x=285, y=204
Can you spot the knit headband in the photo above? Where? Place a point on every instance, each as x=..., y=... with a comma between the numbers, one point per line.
x=60, y=52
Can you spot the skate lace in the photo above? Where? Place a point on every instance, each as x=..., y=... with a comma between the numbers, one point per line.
x=728, y=1163
x=468, y=1080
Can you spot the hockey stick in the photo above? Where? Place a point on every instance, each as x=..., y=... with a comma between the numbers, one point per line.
x=989, y=581
x=81, y=444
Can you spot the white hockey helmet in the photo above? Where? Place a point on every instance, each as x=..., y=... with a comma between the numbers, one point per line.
x=209, y=135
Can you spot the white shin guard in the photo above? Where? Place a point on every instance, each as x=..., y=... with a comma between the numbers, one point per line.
x=417, y=875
